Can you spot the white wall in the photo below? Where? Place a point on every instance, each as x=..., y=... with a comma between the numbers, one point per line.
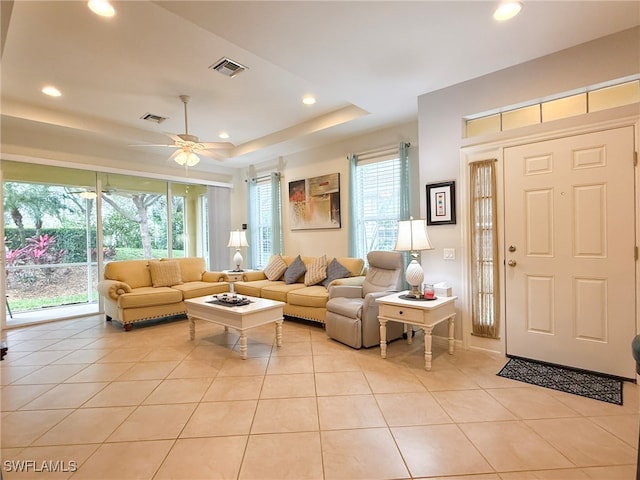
x=320, y=161
x=440, y=124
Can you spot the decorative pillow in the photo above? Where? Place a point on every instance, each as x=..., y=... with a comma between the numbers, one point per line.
x=335, y=270
x=165, y=273
x=316, y=272
x=295, y=271
x=275, y=268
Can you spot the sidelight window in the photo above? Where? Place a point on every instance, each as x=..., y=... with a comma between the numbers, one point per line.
x=484, y=249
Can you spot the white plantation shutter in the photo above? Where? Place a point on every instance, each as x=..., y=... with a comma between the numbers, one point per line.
x=380, y=191
x=378, y=203
x=264, y=214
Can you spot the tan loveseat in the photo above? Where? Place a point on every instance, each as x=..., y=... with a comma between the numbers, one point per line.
x=137, y=290
x=302, y=301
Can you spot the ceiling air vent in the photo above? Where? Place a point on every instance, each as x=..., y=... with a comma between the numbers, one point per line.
x=228, y=67
x=150, y=117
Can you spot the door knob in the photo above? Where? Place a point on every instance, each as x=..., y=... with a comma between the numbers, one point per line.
x=512, y=263
x=512, y=248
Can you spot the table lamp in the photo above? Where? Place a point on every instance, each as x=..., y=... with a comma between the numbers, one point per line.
x=413, y=237
x=237, y=239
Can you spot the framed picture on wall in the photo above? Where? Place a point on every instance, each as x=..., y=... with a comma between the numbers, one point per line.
x=314, y=203
x=441, y=203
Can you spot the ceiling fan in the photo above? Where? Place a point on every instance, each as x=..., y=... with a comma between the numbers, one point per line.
x=188, y=147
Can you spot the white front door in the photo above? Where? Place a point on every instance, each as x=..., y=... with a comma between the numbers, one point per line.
x=570, y=259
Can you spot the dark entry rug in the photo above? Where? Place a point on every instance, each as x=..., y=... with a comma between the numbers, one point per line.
x=579, y=382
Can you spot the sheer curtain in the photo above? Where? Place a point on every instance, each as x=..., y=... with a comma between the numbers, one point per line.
x=276, y=213
x=352, y=250
x=254, y=219
x=484, y=249
x=219, y=201
x=406, y=191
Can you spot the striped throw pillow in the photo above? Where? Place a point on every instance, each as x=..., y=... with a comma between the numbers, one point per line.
x=275, y=268
x=316, y=271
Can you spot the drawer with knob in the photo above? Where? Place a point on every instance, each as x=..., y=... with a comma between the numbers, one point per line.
x=401, y=313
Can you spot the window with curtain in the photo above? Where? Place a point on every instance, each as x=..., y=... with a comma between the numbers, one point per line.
x=265, y=228
x=379, y=199
x=484, y=249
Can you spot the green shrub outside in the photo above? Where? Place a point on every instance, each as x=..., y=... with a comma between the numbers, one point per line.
x=74, y=243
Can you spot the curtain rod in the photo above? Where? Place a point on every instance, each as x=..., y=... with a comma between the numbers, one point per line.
x=384, y=149
x=380, y=151
x=484, y=160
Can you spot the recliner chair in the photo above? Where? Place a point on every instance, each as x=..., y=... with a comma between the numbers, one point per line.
x=352, y=311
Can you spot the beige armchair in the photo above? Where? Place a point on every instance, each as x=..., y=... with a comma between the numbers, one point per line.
x=352, y=311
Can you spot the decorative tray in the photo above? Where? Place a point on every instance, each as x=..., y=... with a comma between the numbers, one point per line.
x=231, y=300
x=419, y=299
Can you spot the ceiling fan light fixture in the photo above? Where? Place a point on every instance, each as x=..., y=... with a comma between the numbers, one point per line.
x=89, y=195
x=187, y=158
x=507, y=10
x=102, y=8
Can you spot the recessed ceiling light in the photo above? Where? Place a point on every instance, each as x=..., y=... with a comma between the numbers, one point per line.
x=102, y=8
x=223, y=135
x=51, y=91
x=507, y=10
x=309, y=100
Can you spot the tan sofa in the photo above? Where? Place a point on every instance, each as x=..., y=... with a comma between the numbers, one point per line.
x=301, y=301
x=138, y=290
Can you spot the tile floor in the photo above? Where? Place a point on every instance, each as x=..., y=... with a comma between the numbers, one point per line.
x=84, y=395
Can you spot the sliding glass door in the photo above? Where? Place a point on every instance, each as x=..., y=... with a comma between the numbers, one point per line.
x=53, y=233
x=49, y=238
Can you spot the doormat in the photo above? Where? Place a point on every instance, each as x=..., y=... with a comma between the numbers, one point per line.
x=579, y=382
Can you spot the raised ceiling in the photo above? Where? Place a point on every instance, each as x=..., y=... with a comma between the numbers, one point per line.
x=366, y=62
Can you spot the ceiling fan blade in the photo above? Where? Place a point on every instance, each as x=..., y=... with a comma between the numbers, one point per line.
x=218, y=145
x=173, y=137
x=153, y=145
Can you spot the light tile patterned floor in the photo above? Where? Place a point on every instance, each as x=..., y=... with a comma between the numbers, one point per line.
x=151, y=404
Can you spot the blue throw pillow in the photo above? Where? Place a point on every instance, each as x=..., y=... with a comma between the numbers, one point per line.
x=295, y=271
x=335, y=270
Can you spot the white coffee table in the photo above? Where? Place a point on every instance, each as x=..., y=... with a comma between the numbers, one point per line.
x=260, y=311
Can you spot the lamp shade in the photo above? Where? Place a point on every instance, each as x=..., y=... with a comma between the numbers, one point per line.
x=412, y=236
x=238, y=238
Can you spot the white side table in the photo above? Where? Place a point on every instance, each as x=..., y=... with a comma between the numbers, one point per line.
x=233, y=277
x=421, y=313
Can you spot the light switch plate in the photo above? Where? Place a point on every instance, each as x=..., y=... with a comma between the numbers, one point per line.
x=449, y=254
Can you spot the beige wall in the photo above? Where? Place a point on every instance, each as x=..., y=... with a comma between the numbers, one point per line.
x=440, y=115
x=320, y=161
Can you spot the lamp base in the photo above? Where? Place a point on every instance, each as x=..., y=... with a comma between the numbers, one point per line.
x=237, y=259
x=414, y=276
x=414, y=292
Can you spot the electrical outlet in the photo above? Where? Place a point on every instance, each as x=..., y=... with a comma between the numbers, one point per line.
x=449, y=254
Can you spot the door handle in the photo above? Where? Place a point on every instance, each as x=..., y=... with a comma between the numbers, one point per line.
x=512, y=263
